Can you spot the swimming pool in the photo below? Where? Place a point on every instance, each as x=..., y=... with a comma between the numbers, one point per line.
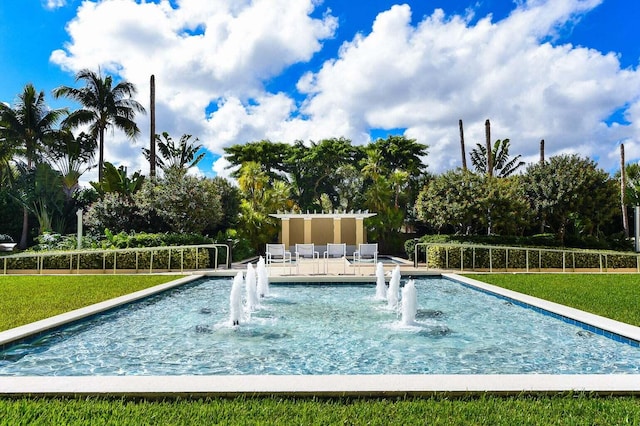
x=329, y=329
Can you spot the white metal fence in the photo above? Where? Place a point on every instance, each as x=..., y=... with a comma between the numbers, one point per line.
x=475, y=257
x=143, y=259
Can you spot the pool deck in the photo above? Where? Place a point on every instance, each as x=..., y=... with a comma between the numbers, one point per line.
x=325, y=385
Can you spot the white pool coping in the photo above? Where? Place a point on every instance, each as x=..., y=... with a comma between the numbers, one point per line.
x=320, y=386
x=324, y=385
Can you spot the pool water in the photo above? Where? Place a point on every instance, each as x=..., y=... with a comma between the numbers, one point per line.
x=320, y=329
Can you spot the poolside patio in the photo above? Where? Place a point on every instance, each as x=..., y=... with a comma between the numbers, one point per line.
x=336, y=267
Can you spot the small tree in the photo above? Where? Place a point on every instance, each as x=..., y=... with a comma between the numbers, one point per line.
x=260, y=198
x=570, y=190
x=503, y=165
x=179, y=157
x=458, y=201
x=449, y=202
x=187, y=204
x=117, y=180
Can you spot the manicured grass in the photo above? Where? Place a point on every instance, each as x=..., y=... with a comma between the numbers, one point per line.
x=25, y=299
x=616, y=296
x=574, y=410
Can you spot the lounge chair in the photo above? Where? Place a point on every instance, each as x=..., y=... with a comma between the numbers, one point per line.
x=366, y=253
x=276, y=253
x=307, y=251
x=335, y=251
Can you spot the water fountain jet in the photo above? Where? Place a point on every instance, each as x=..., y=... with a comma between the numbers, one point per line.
x=263, y=278
x=409, y=303
x=236, y=300
x=381, y=286
x=394, y=288
x=250, y=283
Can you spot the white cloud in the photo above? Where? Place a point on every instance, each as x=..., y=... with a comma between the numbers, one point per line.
x=54, y=4
x=222, y=168
x=201, y=53
x=425, y=78
x=420, y=77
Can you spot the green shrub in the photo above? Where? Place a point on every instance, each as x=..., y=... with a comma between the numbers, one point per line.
x=469, y=258
x=144, y=239
x=140, y=260
x=613, y=242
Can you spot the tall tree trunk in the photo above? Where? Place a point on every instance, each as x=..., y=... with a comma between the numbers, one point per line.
x=25, y=229
x=152, y=127
x=542, y=219
x=22, y=245
x=101, y=155
x=487, y=131
x=623, y=187
x=464, y=154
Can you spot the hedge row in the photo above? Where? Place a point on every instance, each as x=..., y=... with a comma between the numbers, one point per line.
x=193, y=258
x=515, y=258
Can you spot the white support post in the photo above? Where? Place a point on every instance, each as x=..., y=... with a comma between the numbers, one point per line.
x=79, y=214
x=637, y=228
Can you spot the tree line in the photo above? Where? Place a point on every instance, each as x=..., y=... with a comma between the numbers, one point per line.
x=43, y=154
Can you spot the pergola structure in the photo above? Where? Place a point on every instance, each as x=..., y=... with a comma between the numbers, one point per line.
x=323, y=228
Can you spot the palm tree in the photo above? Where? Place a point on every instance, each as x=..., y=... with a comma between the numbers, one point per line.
x=72, y=156
x=180, y=157
x=105, y=106
x=503, y=166
x=29, y=126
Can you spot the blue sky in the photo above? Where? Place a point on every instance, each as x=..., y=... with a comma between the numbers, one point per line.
x=561, y=70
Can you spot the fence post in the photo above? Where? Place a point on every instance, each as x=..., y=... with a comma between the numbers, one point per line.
x=473, y=259
x=426, y=251
x=229, y=253
x=490, y=261
x=506, y=260
x=415, y=252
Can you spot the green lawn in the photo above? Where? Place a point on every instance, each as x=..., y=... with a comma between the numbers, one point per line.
x=31, y=298
x=616, y=296
x=570, y=410
x=25, y=299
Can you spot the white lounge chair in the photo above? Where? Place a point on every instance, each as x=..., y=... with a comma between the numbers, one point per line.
x=276, y=253
x=335, y=251
x=307, y=251
x=366, y=253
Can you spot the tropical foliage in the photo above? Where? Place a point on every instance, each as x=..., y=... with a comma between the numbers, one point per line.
x=182, y=203
x=503, y=164
x=44, y=153
x=178, y=157
x=569, y=193
x=26, y=129
x=105, y=107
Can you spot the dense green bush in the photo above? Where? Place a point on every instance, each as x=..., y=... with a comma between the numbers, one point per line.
x=124, y=260
x=468, y=258
x=613, y=242
x=144, y=239
x=53, y=241
x=113, y=211
x=184, y=203
x=134, y=259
